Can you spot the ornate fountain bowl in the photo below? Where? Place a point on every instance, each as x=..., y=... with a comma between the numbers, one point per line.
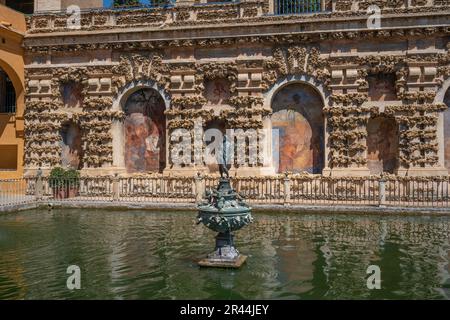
x=226, y=220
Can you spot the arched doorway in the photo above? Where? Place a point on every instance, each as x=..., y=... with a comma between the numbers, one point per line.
x=382, y=145
x=71, y=146
x=8, y=146
x=7, y=94
x=447, y=130
x=145, y=132
x=298, y=123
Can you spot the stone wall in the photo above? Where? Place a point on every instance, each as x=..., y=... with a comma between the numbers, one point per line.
x=206, y=67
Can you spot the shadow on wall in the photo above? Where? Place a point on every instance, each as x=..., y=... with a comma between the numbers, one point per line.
x=447, y=130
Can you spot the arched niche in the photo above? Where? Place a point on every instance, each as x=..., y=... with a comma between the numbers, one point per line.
x=211, y=131
x=298, y=129
x=144, y=132
x=382, y=145
x=71, y=146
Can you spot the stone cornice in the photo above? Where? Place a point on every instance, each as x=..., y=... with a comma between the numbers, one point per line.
x=221, y=20
x=159, y=41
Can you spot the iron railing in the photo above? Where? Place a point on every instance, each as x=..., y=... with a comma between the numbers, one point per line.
x=298, y=6
x=432, y=192
x=14, y=192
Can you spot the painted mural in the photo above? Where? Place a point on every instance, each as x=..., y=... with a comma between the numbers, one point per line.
x=145, y=140
x=72, y=95
x=217, y=91
x=71, y=146
x=382, y=87
x=447, y=130
x=210, y=157
x=382, y=145
x=298, y=139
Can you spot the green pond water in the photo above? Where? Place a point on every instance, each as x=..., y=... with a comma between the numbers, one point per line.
x=152, y=255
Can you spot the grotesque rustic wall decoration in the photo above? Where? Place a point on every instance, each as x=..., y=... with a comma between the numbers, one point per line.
x=145, y=141
x=71, y=148
x=382, y=145
x=209, y=73
x=297, y=114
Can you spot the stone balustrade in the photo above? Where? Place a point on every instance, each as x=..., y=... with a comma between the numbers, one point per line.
x=283, y=189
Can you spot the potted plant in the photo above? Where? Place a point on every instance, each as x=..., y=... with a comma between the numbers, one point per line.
x=57, y=182
x=72, y=178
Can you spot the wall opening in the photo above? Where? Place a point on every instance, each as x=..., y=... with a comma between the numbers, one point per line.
x=145, y=132
x=299, y=129
x=8, y=159
x=24, y=6
x=382, y=145
x=7, y=94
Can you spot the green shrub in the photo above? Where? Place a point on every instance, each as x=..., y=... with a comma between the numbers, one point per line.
x=56, y=178
x=72, y=177
x=59, y=177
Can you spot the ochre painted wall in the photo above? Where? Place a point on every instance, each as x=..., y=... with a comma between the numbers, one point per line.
x=12, y=27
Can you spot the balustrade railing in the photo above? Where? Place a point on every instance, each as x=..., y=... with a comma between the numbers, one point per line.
x=291, y=189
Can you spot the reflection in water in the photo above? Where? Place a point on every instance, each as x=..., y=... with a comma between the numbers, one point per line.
x=145, y=255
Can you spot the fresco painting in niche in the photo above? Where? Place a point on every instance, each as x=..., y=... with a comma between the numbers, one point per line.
x=382, y=145
x=72, y=94
x=298, y=117
x=145, y=146
x=71, y=146
x=211, y=159
x=382, y=87
x=447, y=130
x=217, y=91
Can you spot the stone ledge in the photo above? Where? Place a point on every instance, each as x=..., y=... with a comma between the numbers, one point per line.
x=293, y=208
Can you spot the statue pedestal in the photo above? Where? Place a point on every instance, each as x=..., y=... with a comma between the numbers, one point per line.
x=235, y=264
x=226, y=255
